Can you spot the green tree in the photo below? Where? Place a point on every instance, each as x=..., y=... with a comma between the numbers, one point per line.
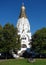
x=1, y=38
x=39, y=41
x=9, y=38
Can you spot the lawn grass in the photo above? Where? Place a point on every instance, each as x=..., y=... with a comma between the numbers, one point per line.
x=22, y=62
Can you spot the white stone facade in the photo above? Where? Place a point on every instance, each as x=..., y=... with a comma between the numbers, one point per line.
x=23, y=27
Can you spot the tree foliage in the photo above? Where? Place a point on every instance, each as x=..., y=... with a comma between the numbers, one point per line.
x=1, y=37
x=39, y=41
x=9, y=39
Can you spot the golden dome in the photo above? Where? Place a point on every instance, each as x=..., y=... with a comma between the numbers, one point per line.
x=23, y=13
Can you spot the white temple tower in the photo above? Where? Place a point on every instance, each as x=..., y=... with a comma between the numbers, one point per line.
x=23, y=27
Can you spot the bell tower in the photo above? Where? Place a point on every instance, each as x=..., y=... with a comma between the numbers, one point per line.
x=23, y=27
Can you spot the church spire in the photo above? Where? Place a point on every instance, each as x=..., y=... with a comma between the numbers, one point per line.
x=22, y=13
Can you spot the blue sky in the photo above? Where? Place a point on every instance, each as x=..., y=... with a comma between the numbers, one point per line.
x=35, y=10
